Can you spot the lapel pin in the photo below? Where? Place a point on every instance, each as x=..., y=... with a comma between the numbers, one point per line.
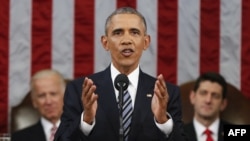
x=149, y=95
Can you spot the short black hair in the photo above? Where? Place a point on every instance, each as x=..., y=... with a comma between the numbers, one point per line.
x=213, y=77
x=125, y=10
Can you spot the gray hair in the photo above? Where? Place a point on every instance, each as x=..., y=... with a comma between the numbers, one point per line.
x=47, y=72
x=124, y=10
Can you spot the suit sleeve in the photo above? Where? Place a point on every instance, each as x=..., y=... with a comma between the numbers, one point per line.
x=69, y=129
x=175, y=110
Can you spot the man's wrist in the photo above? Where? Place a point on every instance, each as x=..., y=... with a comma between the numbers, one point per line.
x=88, y=119
x=162, y=120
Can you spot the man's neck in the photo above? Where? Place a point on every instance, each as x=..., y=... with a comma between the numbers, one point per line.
x=206, y=121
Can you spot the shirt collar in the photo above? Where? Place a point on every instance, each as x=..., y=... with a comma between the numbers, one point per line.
x=133, y=76
x=214, y=127
x=47, y=125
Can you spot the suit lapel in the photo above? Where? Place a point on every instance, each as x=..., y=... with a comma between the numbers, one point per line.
x=143, y=99
x=221, y=131
x=107, y=104
x=193, y=136
x=38, y=132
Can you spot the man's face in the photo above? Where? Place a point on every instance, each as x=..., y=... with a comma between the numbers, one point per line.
x=208, y=100
x=48, y=97
x=126, y=39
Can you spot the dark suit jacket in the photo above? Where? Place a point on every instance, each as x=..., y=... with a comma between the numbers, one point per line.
x=143, y=127
x=32, y=133
x=190, y=131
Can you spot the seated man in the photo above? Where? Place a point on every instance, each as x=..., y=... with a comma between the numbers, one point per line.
x=47, y=92
x=208, y=98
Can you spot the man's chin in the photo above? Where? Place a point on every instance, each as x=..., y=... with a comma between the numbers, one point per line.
x=207, y=116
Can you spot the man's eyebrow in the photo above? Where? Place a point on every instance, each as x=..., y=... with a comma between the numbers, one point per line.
x=117, y=29
x=135, y=29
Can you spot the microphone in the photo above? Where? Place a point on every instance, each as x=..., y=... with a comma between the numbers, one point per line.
x=121, y=84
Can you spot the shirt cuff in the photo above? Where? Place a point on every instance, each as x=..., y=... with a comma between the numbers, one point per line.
x=85, y=127
x=166, y=127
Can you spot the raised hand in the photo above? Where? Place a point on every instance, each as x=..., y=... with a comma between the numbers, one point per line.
x=160, y=100
x=89, y=100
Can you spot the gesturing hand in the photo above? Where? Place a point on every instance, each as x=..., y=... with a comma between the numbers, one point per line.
x=89, y=100
x=160, y=100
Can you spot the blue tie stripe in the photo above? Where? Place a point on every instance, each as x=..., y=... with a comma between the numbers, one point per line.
x=126, y=113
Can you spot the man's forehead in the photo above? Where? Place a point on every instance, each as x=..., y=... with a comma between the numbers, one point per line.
x=126, y=18
x=129, y=20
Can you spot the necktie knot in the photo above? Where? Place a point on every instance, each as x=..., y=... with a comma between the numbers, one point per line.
x=208, y=133
x=54, y=128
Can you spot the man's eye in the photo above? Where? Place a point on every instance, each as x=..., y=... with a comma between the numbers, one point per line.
x=216, y=96
x=53, y=93
x=41, y=96
x=135, y=32
x=203, y=92
x=117, y=32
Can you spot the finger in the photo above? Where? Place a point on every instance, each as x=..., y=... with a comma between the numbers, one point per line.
x=161, y=87
x=88, y=89
x=84, y=86
x=160, y=90
x=157, y=90
x=93, y=99
x=162, y=83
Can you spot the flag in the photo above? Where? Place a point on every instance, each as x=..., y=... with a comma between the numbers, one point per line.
x=188, y=37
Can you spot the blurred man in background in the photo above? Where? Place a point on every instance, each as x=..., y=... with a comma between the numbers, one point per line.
x=47, y=92
x=208, y=98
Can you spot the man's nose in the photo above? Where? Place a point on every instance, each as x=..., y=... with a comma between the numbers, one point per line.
x=127, y=39
x=48, y=99
x=209, y=98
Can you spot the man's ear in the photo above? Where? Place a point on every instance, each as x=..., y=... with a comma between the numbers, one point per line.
x=104, y=41
x=192, y=97
x=147, y=40
x=33, y=101
x=223, y=104
x=34, y=104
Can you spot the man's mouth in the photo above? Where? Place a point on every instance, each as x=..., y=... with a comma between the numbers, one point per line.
x=127, y=52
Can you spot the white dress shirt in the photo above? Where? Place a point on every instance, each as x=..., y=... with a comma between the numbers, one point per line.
x=199, y=129
x=47, y=126
x=132, y=88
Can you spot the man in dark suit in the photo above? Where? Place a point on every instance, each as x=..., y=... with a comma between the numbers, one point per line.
x=91, y=109
x=47, y=91
x=208, y=98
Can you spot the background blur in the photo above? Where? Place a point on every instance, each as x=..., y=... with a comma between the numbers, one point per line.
x=188, y=37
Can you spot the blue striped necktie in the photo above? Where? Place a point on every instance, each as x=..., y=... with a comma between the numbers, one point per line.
x=126, y=114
